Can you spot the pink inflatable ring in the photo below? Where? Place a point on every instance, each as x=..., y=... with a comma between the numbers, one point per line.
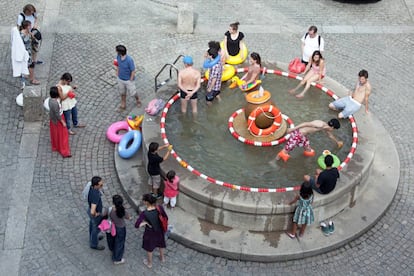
x=112, y=132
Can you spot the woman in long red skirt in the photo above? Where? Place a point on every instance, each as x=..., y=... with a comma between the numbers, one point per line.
x=59, y=136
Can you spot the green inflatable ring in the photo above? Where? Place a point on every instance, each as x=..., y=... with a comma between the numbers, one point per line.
x=321, y=161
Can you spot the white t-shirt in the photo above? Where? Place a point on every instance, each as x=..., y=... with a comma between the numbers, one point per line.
x=311, y=45
x=30, y=18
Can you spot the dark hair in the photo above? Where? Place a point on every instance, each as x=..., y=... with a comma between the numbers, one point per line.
x=153, y=146
x=317, y=53
x=54, y=92
x=117, y=200
x=29, y=7
x=171, y=175
x=363, y=73
x=214, y=44
x=334, y=123
x=66, y=77
x=149, y=198
x=329, y=160
x=306, y=190
x=212, y=52
x=95, y=180
x=257, y=58
x=121, y=49
x=235, y=25
x=24, y=25
x=313, y=28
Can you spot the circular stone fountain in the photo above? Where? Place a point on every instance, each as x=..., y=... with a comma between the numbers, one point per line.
x=241, y=221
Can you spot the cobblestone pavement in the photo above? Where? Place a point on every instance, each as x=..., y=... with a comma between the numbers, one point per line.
x=56, y=240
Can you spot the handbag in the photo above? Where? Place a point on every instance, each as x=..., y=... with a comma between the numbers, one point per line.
x=296, y=66
x=107, y=225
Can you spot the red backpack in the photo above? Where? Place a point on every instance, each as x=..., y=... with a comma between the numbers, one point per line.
x=296, y=66
x=163, y=219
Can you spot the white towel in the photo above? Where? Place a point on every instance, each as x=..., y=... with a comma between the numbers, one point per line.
x=19, y=55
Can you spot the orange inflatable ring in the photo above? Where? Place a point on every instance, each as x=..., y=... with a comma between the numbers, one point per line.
x=277, y=120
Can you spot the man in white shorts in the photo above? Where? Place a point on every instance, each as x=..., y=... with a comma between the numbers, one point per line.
x=125, y=71
x=352, y=103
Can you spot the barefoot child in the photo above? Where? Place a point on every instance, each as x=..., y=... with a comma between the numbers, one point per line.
x=171, y=189
x=303, y=212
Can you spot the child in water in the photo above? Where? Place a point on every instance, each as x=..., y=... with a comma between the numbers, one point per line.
x=303, y=212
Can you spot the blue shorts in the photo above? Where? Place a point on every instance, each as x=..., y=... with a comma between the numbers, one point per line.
x=348, y=106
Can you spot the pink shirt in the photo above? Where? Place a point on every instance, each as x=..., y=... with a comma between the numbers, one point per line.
x=171, y=188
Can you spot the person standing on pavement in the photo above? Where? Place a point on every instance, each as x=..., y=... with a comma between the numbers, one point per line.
x=118, y=215
x=125, y=71
x=303, y=215
x=153, y=235
x=171, y=189
x=68, y=100
x=29, y=13
x=26, y=36
x=95, y=212
x=189, y=81
x=311, y=42
x=154, y=169
x=59, y=137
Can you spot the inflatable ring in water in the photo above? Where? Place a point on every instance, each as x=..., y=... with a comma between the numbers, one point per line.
x=112, y=132
x=132, y=138
x=277, y=120
x=237, y=59
x=228, y=72
x=135, y=121
x=321, y=160
x=236, y=81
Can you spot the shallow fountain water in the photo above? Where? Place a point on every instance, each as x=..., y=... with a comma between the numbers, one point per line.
x=207, y=145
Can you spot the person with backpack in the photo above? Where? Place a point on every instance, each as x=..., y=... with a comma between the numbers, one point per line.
x=311, y=42
x=154, y=228
x=29, y=14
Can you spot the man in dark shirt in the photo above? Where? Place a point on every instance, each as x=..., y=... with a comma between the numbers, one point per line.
x=324, y=181
x=95, y=212
x=154, y=169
